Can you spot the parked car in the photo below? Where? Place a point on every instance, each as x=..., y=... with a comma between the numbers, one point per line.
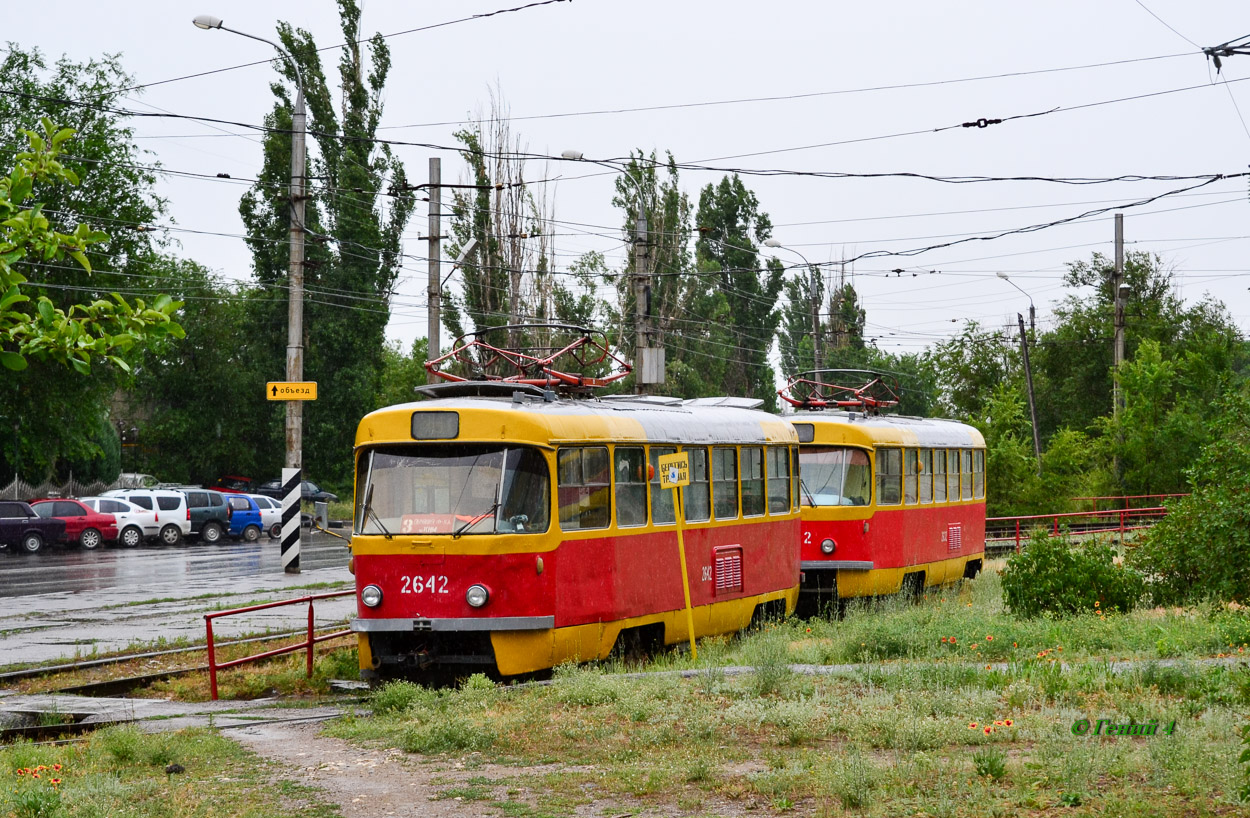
x=309, y=492
x=83, y=524
x=270, y=514
x=134, y=522
x=21, y=527
x=234, y=484
x=245, y=518
x=172, y=513
x=135, y=480
x=210, y=514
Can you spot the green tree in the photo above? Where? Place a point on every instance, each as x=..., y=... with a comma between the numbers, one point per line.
x=112, y=330
x=356, y=214
x=1202, y=548
x=401, y=374
x=731, y=226
x=687, y=310
x=59, y=415
x=217, y=365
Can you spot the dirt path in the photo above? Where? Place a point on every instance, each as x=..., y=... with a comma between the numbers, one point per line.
x=374, y=783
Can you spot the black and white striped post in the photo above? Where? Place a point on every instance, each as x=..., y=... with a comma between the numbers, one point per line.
x=291, y=483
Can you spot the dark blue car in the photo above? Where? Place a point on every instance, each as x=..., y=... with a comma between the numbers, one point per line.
x=245, y=521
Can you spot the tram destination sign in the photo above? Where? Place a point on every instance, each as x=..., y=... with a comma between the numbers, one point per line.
x=674, y=470
x=291, y=390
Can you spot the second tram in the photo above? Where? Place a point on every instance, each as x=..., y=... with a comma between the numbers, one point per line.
x=889, y=503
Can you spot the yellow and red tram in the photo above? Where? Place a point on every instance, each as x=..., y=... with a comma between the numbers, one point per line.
x=889, y=503
x=503, y=529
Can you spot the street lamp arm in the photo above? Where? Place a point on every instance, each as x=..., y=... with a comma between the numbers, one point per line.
x=206, y=21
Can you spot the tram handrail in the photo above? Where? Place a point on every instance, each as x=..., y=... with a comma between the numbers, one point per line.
x=1126, y=519
x=309, y=642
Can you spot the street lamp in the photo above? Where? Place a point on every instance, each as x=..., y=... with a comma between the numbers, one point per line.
x=295, y=313
x=1028, y=371
x=650, y=361
x=814, y=271
x=1032, y=311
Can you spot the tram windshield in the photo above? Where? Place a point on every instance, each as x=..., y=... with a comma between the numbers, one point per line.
x=834, y=476
x=458, y=490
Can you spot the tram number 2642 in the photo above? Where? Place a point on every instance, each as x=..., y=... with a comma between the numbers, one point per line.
x=434, y=584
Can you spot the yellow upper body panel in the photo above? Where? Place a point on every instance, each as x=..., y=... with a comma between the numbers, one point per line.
x=542, y=423
x=847, y=429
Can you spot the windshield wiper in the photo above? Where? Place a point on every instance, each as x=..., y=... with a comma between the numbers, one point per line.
x=802, y=485
x=369, y=512
x=494, y=506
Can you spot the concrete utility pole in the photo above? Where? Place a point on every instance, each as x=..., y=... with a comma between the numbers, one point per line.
x=1117, y=284
x=1028, y=380
x=295, y=310
x=434, y=288
x=642, y=334
x=816, y=297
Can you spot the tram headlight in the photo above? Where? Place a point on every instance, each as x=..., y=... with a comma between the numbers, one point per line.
x=371, y=596
x=827, y=546
x=477, y=596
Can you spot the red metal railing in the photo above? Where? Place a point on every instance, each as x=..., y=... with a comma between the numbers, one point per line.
x=1117, y=521
x=1127, y=500
x=308, y=643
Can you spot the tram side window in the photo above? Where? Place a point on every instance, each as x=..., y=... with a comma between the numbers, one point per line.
x=978, y=473
x=926, y=475
x=752, y=481
x=939, y=476
x=695, y=495
x=631, y=486
x=778, y=480
x=952, y=474
x=889, y=476
x=661, y=499
x=725, y=483
x=967, y=474
x=583, y=476
x=910, y=492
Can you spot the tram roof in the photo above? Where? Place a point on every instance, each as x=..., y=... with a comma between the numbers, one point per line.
x=853, y=427
x=527, y=418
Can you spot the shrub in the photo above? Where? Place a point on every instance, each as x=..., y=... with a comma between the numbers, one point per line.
x=1052, y=576
x=1201, y=549
x=396, y=697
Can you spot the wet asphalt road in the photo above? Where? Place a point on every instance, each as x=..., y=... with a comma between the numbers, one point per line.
x=60, y=569
x=64, y=603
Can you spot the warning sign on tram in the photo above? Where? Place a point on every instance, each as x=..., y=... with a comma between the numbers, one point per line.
x=291, y=390
x=674, y=470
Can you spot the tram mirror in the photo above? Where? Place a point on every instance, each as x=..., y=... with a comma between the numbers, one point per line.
x=435, y=425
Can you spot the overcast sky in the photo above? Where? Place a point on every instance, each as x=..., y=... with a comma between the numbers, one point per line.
x=831, y=59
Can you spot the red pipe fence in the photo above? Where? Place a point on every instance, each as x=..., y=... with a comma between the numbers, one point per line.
x=1115, y=521
x=310, y=640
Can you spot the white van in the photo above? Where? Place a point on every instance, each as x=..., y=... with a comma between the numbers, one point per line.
x=173, y=517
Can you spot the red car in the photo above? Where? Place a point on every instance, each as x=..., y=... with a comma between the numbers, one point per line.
x=84, y=526
x=233, y=484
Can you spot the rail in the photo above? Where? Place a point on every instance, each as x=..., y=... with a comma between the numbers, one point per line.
x=1015, y=530
x=309, y=642
x=1126, y=500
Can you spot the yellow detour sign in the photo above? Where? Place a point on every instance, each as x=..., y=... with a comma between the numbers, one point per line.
x=674, y=470
x=291, y=390
x=675, y=473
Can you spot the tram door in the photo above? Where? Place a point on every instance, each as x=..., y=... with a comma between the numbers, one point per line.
x=913, y=529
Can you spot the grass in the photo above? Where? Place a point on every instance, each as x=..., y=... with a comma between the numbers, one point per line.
x=121, y=771
x=921, y=726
